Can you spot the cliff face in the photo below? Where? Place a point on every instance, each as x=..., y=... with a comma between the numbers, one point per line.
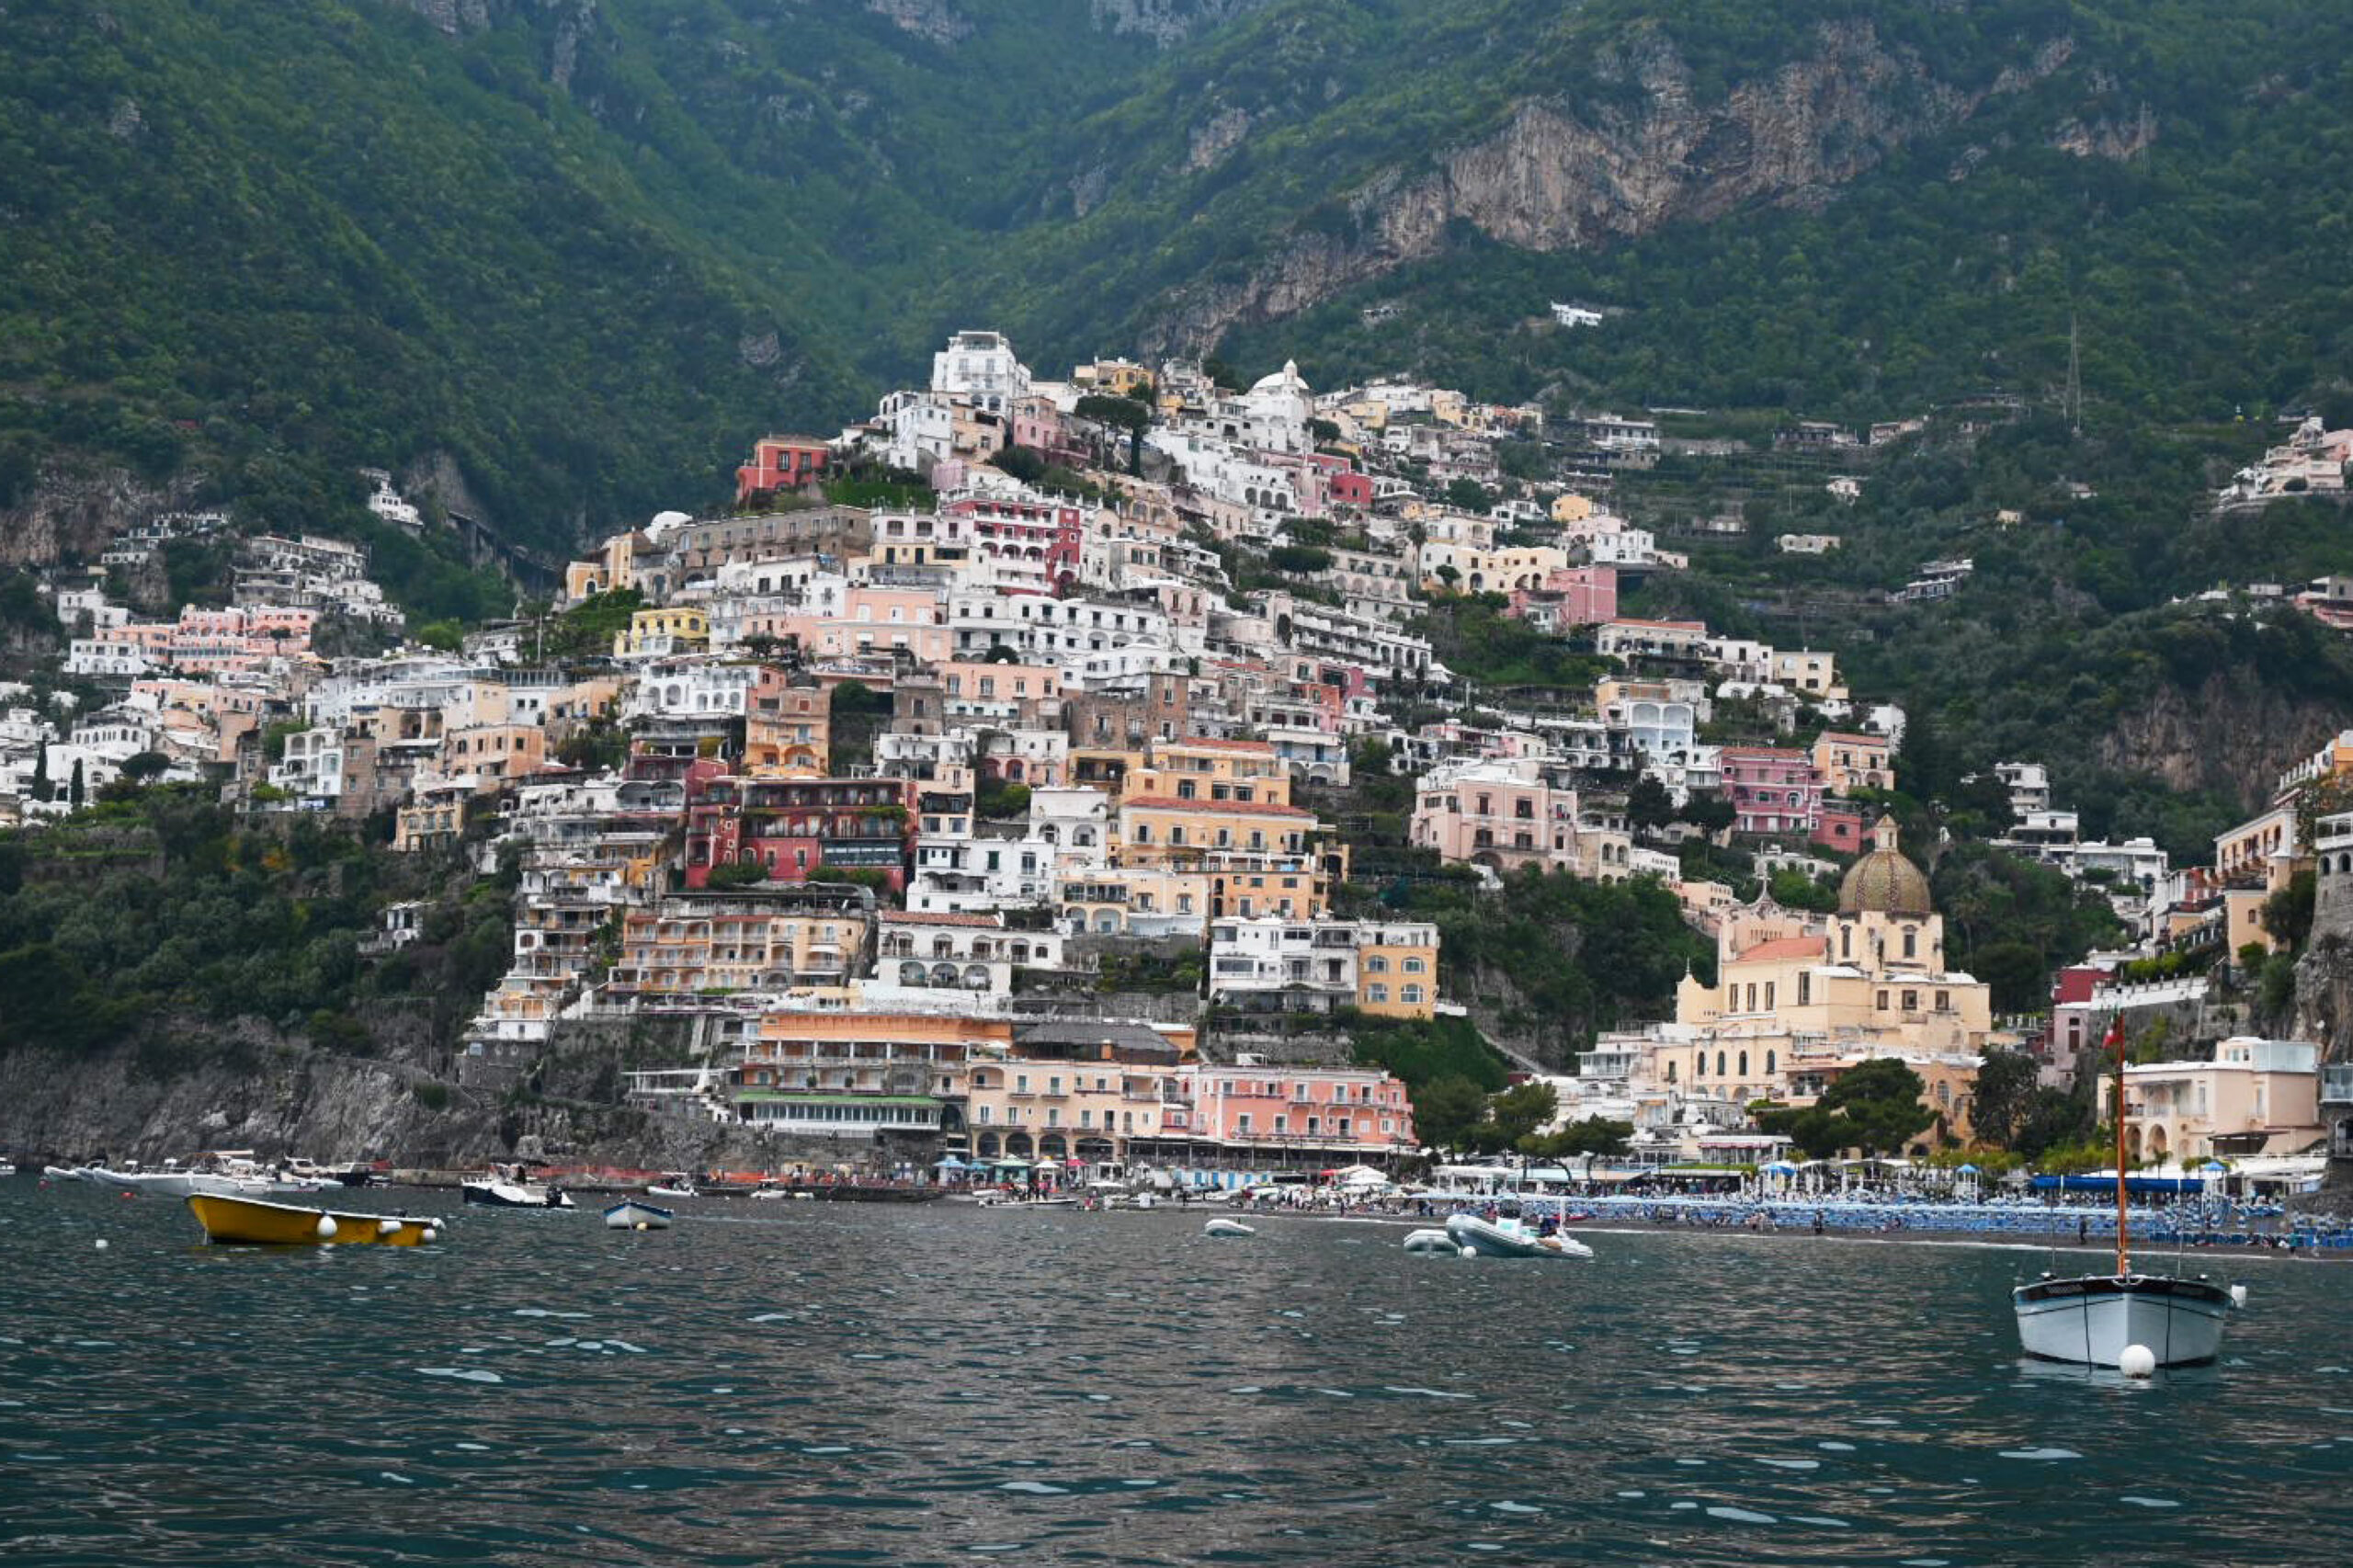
x=2234, y=735
x=77, y=507
x=1561, y=175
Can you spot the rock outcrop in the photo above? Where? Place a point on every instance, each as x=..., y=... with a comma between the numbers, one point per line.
x=77, y=507
x=1561, y=175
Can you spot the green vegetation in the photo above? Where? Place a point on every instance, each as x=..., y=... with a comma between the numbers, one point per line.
x=1874, y=1107
x=154, y=921
x=1471, y=636
x=1557, y=958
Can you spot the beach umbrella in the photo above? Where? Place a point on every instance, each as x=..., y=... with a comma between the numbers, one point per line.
x=1969, y=1170
x=2213, y=1165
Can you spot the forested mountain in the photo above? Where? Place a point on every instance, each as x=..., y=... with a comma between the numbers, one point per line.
x=583, y=248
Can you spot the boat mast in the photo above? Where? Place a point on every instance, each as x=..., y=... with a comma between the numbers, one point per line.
x=2123, y=1210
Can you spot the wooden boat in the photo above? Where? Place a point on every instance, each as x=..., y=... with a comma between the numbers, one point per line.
x=257, y=1222
x=633, y=1215
x=2135, y=1322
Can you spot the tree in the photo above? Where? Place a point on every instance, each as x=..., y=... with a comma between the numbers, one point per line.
x=738, y=874
x=1446, y=1109
x=2288, y=913
x=1470, y=495
x=1517, y=1113
x=73, y=788
x=2007, y=1082
x=1648, y=804
x=43, y=789
x=1874, y=1107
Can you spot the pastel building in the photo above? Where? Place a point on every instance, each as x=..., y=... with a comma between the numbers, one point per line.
x=2257, y=1097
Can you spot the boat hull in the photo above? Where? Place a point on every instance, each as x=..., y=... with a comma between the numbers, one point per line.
x=634, y=1216
x=251, y=1222
x=1482, y=1238
x=2091, y=1320
x=512, y=1195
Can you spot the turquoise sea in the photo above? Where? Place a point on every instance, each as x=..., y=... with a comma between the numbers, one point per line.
x=820, y=1384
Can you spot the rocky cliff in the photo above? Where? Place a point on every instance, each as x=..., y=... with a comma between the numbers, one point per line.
x=76, y=505
x=2234, y=734
x=1566, y=176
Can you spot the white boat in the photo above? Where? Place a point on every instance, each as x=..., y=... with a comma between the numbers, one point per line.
x=1432, y=1243
x=659, y=1191
x=1509, y=1238
x=496, y=1192
x=771, y=1192
x=2094, y=1319
x=1227, y=1228
x=2136, y=1322
x=7, y=1168
x=631, y=1215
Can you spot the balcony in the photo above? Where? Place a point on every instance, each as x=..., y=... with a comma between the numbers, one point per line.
x=2336, y=1084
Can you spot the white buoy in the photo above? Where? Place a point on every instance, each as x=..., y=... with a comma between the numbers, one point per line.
x=640, y=1224
x=2238, y=1295
x=387, y=1227
x=429, y=1235
x=102, y=1243
x=326, y=1227
x=2137, y=1361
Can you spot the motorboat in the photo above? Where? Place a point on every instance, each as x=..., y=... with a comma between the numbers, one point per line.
x=498, y=1192
x=672, y=1189
x=1432, y=1243
x=631, y=1215
x=259, y=1222
x=1227, y=1228
x=773, y=1193
x=1509, y=1238
x=2135, y=1322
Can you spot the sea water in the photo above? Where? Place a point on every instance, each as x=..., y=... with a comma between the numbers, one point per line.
x=838, y=1383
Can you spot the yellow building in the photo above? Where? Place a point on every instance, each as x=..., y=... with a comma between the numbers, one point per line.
x=655, y=632
x=1799, y=999
x=1848, y=763
x=1397, y=970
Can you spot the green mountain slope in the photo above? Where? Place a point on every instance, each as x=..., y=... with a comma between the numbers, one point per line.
x=584, y=249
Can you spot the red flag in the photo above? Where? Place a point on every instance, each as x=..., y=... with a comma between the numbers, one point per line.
x=2115, y=1041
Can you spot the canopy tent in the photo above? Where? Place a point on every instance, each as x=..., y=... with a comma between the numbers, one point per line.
x=1358, y=1175
x=2145, y=1185
x=950, y=1163
x=1780, y=1168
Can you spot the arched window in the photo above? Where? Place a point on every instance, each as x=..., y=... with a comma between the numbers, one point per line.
x=1744, y=1065
x=1769, y=1063
x=1910, y=942
x=1719, y=1064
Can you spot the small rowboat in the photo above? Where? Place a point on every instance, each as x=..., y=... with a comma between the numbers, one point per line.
x=255, y=1221
x=636, y=1216
x=1232, y=1230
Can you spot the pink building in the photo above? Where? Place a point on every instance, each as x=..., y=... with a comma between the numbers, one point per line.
x=1325, y=1111
x=1569, y=596
x=1499, y=814
x=1773, y=789
x=1051, y=534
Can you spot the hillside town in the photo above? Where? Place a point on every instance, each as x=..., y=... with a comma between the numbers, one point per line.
x=985, y=790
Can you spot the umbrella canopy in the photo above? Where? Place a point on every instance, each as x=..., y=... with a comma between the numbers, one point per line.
x=2213, y=1165
x=1782, y=1168
x=1968, y=1170
x=950, y=1164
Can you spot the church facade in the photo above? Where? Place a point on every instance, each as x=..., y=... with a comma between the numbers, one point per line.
x=1801, y=998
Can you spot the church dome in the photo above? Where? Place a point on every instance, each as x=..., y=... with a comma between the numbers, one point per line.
x=1883, y=881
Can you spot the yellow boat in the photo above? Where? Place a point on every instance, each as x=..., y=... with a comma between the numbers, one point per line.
x=250, y=1220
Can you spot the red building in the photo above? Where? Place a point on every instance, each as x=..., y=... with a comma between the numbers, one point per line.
x=801, y=829
x=1841, y=828
x=1773, y=789
x=1049, y=534
x=1351, y=489
x=781, y=462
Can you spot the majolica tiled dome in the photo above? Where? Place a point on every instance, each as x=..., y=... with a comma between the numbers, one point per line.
x=1883, y=881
